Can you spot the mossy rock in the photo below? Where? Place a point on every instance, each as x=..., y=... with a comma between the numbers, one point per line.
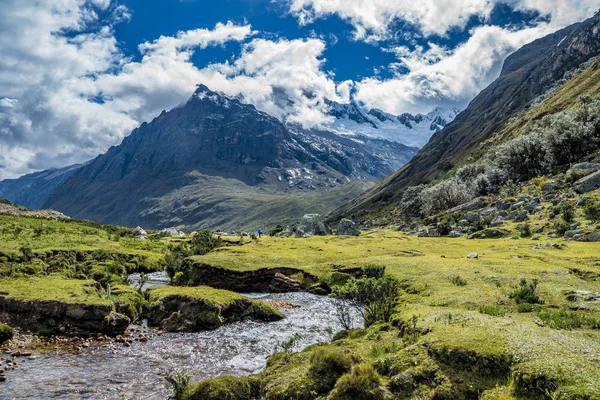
x=490, y=233
x=225, y=388
x=6, y=333
x=362, y=382
x=327, y=364
x=188, y=309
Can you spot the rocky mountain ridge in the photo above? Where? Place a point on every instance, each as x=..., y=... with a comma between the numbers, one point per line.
x=217, y=162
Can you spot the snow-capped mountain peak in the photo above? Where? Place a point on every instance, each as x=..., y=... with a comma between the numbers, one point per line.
x=408, y=129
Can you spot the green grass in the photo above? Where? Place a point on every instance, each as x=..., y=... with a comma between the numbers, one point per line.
x=43, y=235
x=471, y=331
x=6, y=333
x=563, y=319
x=53, y=288
x=218, y=297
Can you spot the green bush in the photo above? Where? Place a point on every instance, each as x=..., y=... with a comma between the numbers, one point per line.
x=523, y=157
x=525, y=230
x=567, y=211
x=326, y=366
x=176, y=383
x=205, y=242
x=458, y=281
x=492, y=310
x=374, y=298
x=592, y=210
x=6, y=333
x=374, y=271
x=525, y=308
x=568, y=319
x=276, y=230
x=560, y=227
x=361, y=383
x=526, y=293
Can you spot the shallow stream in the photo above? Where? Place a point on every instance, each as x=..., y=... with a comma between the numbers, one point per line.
x=137, y=372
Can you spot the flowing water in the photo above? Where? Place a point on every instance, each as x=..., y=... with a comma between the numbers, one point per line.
x=137, y=372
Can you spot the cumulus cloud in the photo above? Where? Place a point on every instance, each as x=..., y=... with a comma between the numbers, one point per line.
x=283, y=77
x=67, y=92
x=374, y=17
x=439, y=76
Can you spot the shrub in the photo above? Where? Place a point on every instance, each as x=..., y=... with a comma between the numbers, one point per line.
x=205, y=242
x=176, y=383
x=6, y=333
x=568, y=319
x=561, y=227
x=592, y=210
x=374, y=298
x=374, y=271
x=525, y=308
x=568, y=138
x=526, y=293
x=567, y=211
x=326, y=366
x=362, y=383
x=525, y=230
x=443, y=196
x=492, y=310
x=458, y=281
x=522, y=158
x=289, y=345
x=411, y=204
x=276, y=230
x=468, y=173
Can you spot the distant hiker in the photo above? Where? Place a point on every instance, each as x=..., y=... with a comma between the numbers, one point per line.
x=260, y=233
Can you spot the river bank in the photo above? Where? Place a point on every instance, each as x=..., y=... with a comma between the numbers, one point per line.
x=114, y=370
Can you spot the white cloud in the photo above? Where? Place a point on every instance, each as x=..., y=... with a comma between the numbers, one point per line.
x=439, y=76
x=373, y=19
x=55, y=59
x=284, y=78
x=447, y=78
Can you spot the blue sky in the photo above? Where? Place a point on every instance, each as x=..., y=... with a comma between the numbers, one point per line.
x=76, y=76
x=167, y=17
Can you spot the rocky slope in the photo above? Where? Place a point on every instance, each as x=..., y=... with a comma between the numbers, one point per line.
x=219, y=163
x=33, y=190
x=8, y=208
x=528, y=74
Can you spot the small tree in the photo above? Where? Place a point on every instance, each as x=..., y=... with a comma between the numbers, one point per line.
x=526, y=293
x=373, y=298
x=205, y=242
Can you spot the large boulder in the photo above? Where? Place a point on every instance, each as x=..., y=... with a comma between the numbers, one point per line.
x=348, y=228
x=287, y=232
x=591, y=237
x=312, y=225
x=172, y=232
x=589, y=183
x=139, y=233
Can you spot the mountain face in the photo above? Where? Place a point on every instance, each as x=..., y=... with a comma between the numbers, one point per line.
x=33, y=190
x=411, y=130
x=217, y=162
x=527, y=74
